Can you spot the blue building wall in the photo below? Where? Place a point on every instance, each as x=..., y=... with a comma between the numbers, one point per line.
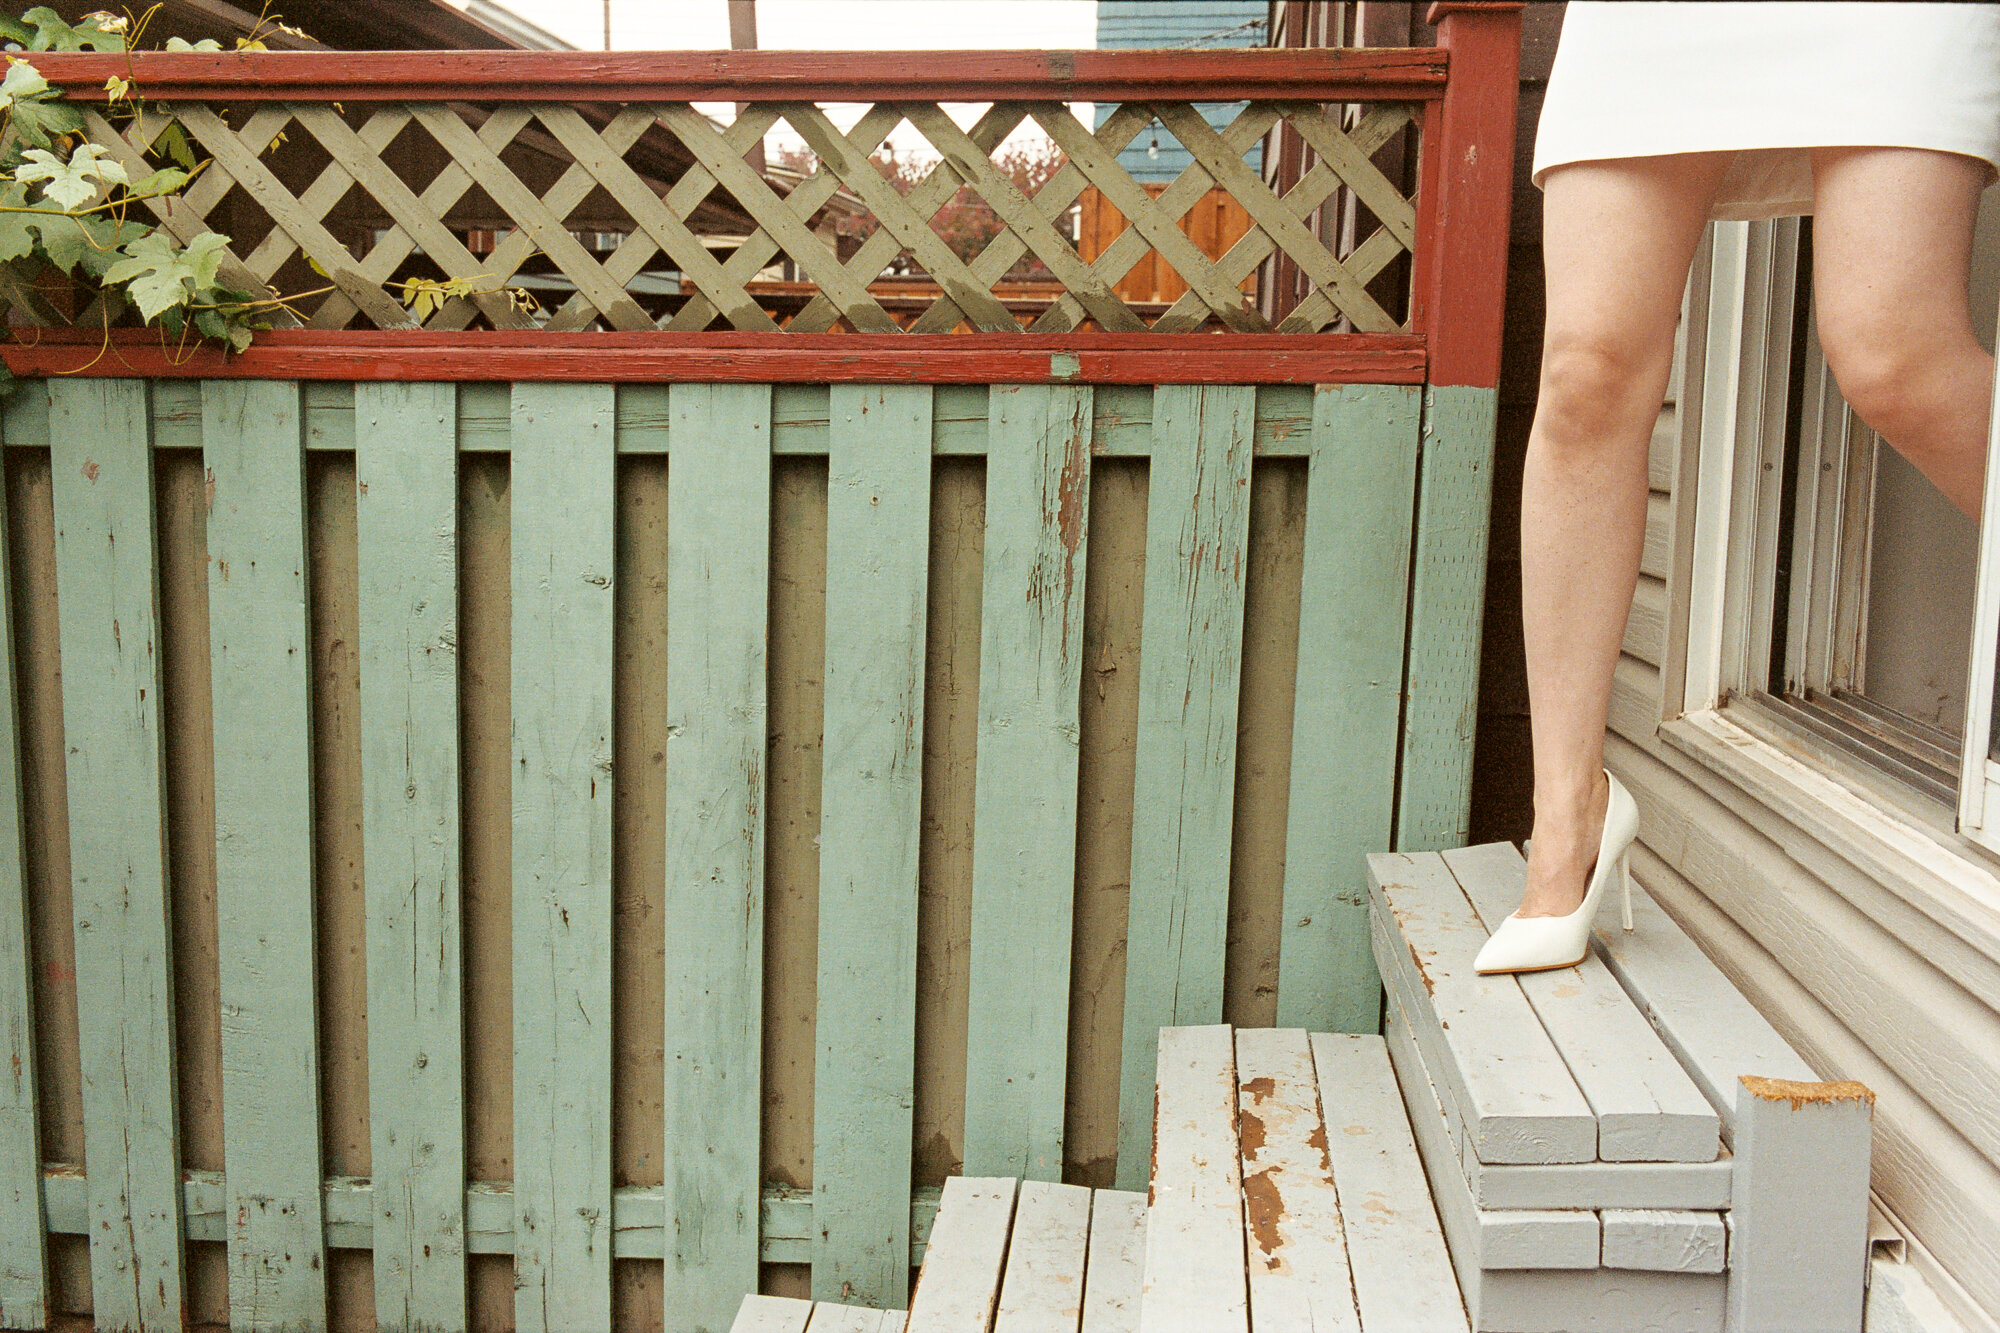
x=1189, y=24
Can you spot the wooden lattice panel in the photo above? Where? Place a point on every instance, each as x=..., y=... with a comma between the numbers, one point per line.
x=608, y=215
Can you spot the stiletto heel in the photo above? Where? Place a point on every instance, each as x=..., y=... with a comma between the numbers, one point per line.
x=1625, y=874
x=1538, y=943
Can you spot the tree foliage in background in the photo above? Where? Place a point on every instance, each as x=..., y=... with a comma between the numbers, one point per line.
x=966, y=223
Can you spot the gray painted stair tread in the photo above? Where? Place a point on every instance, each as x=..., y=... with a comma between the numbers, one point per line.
x=1545, y=1300
x=1403, y=1281
x=1043, y=1288
x=772, y=1314
x=1663, y=1240
x=1709, y=1025
x=960, y=1284
x=1647, y=1108
x=1195, y=1281
x=1116, y=1268
x=1519, y=1101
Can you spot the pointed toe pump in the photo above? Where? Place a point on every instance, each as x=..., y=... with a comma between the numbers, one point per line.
x=1539, y=943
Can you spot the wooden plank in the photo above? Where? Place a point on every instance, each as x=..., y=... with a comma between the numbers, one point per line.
x=1540, y=1299
x=102, y=481
x=772, y=1314
x=718, y=562
x=1352, y=603
x=1799, y=1215
x=1647, y=1108
x=1024, y=825
x=1294, y=1242
x=1663, y=1240
x=1115, y=1269
x=830, y=1318
x=24, y=1279
x=1183, y=786
x=1490, y=1053
x=406, y=517
x=864, y=1082
x=253, y=447
x=1712, y=1029
x=1447, y=604
x=1678, y=1185
x=1042, y=1291
x=1403, y=1281
x=1195, y=1280
x=960, y=1287
x=562, y=569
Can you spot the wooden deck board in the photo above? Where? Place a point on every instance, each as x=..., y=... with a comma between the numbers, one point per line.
x=960, y=1287
x=1115, y=1270
x=1042, y=1291
x=1403, y=1281
x=1485, y=1045
x=1295, y=1247
x=1647, y=1108
x=1663, y=1240
x=1195, y=1280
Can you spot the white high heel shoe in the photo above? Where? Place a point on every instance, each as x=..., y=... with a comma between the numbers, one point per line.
x=1540, y=943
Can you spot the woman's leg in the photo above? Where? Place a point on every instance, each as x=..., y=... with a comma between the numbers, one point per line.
x=1892, y=238
x=1617, y=238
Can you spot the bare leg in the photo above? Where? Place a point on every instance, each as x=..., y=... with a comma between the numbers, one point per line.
x=1892, y=238
x=1617, y=237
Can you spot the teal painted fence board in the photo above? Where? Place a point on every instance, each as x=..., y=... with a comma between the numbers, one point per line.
x=561, y=546
x=260, y=654
x=102, y=480
x=1024, y=822
x=1353, y=596
x=1447, y=609
x=718, y=576
x=406, y=517
x=24, y=1279
x=1184, y=771
x=864, y=1083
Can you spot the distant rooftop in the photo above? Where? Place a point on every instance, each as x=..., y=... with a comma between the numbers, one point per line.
x=1186, y=25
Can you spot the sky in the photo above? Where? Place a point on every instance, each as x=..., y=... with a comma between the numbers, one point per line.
x=831, y=25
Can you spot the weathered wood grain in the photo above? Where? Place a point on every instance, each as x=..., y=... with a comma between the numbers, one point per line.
x=1042, y=1289
x=406, y=515
x=1403, y=1280
x=1294, y=1242
x=102, y=479
x=1647, y=1108
x=253, y=448
x=718, y=562
x=1447, y=603
x=561, y=560
x=1798, y=1245
x=878, y=521
x=1195, y=1280
x=1024, y=824
x=1488, y=1051
x=1663, y=1240
x=1352, y=603
x=1115, y=1269
x=1183, y=787
x=772, y=1314
x=960, y=1287
x=24, y=1279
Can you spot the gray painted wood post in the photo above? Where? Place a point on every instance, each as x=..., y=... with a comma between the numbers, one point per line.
x=562, y=570
x=406, y=515
x=718, y=575
x=1184, y=778
x=871, y=789
x=1353, y=594
x=1024, y=827
x=1799, y=1210
x=101, y=464
x=260, y=650
x=24, y=1280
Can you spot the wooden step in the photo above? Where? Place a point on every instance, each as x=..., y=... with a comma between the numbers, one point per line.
x=1286, y=1191
x=782, y=1314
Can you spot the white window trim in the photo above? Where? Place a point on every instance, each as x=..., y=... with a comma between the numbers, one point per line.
x=1722, y=598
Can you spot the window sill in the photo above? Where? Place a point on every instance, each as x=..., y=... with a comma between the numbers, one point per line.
x=1907, y=857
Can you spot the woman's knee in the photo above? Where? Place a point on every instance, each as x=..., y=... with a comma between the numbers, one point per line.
x=1597, y=386
x=1889, y=369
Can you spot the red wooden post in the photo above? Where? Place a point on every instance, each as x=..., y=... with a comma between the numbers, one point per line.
x=1467, y=192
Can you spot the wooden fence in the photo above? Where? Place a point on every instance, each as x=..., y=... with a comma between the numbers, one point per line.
x=558, y=825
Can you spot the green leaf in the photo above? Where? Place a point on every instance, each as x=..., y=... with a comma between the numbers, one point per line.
x=23, y=80
x=17, y=230
x=92, y=242
x=74, y=183
x=39, y=121
x=173, y=141
x=52, y=33
x=160, y=278
x=115, y=88
x=183, y=44
x=167, y=180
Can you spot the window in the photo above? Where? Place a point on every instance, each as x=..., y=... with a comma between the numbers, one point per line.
x=1831, y=595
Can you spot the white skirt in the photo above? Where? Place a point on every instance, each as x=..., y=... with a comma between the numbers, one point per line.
x=1769, y=81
